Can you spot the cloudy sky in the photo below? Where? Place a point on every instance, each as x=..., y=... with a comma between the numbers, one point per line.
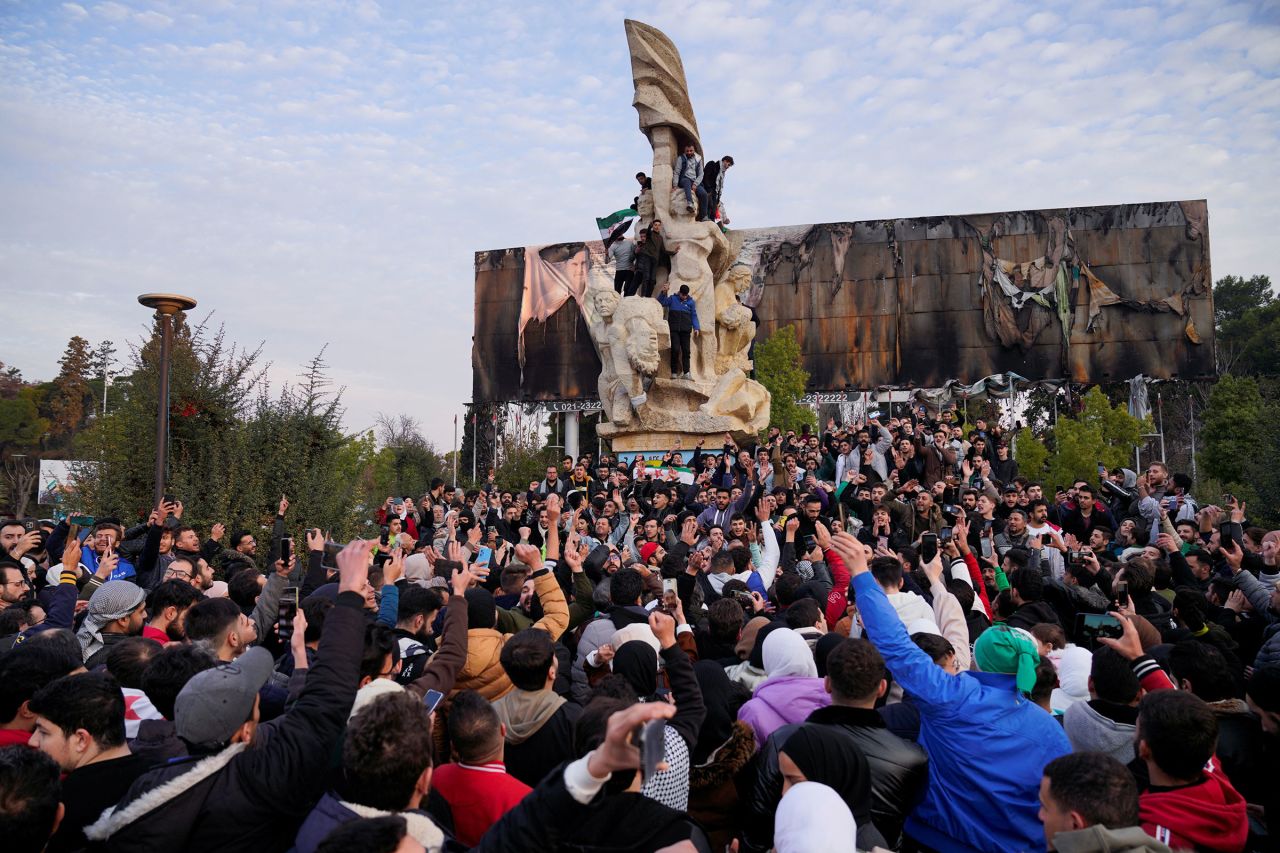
x=316, y=171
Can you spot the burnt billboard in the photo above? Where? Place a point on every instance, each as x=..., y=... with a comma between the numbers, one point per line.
x=1091, y=294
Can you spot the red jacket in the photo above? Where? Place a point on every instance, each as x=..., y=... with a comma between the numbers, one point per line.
x=1209, y=815
x=838, y=598
x=478, y=796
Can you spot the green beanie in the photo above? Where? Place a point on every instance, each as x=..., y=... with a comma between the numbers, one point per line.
x=1010, y=651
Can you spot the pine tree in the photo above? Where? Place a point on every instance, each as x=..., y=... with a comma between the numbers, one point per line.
x=71, y=388
x=780, y=369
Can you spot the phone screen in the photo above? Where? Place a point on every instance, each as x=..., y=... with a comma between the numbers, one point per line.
x=431, y=699
x=651, y=739
x=1091, y=626
x=286, y=549
x=288, y=610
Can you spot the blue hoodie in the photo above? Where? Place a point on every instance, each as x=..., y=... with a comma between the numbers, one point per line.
x=987, y=744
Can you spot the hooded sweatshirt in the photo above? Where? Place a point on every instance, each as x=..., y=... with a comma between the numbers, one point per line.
x=911, y=607
x=1209, y=815
x=1099, y=839
x=1091, y=731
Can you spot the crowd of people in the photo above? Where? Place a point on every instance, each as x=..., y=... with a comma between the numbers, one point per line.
x=874, y=637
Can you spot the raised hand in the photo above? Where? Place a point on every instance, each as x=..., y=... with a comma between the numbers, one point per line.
x=283, y=506
x=822, y=534
x=353, y=565
x=663, y=627
x=286, y=570
x=461, y=580
x=71, y=555
x=530, y=556
x=315, y=539
x=617, y=751
x=217, y=531
x=107, y=564
x=1128, y=645
x=851, y=551
x=393, y=569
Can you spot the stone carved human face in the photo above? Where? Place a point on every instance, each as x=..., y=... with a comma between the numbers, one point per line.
x=605, y=302
x=642, y=347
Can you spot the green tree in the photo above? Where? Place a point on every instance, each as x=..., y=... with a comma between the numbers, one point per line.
x=234, y=447
x=780, y=368
x=1030, y=453
x=67, y=402
x=413, y=460
x=1233, y=430
x=1247, y=321
x=1235, y=296
x=1097, y=432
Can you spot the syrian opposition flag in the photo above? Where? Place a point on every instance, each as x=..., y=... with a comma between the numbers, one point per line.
x=616, y=224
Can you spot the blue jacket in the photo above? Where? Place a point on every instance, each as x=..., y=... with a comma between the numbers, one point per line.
x=680, y=312
x=987, y=744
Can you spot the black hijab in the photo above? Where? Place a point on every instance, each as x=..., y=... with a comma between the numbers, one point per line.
x=824, y=754
x=826, y=645
x=637, y=662
x=717, y=695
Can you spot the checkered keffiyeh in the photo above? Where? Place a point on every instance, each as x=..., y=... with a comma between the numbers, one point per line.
x=113, y=600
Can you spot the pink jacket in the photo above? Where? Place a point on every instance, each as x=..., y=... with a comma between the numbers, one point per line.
x=780, y=701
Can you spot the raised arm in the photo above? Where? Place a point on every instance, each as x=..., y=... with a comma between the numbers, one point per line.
x=555, y=610
x=690, y=709
x=911, y=667
x=442, y=670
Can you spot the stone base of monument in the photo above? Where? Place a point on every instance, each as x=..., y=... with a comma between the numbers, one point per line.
x=661, y=442
x=680, y=407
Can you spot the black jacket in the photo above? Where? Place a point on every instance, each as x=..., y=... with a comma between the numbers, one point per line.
x=253, y=797
x=1033, y=613
x=899, y=771
x=531, y=760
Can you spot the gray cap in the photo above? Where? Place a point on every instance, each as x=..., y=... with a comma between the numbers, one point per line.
x=216, y=702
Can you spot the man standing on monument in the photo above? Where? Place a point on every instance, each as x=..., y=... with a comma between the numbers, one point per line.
x=713, y=184
x=682, y=319
x=623, y=254
x=688, y=176
x=650, y=249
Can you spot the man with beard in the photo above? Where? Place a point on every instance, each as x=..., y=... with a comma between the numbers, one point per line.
x=1014, y=534
x=167, y=606
x=415, y=616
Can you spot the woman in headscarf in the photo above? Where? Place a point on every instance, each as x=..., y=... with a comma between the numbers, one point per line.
x=719, y=777
x=792, y=689
x=816, y=753
x=813, y=817
x=750, y=673
x=637, y=664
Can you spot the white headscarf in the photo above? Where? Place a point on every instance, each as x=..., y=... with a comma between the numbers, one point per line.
x=812, y=817
x=787, y=653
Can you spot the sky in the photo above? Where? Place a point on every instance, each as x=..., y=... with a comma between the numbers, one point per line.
x=317, y=172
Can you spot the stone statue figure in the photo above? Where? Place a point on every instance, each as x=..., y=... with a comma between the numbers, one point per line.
x=637, y=338
x=734, y=329
x=642, y=403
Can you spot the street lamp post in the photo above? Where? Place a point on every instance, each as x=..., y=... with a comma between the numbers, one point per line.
x=166, y=304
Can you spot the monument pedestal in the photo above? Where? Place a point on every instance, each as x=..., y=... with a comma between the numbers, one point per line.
x=661, y=442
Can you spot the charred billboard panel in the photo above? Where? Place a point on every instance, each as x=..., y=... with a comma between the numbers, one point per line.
x=1090, y=294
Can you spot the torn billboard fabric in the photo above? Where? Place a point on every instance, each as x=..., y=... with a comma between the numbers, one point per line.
x=549, y=283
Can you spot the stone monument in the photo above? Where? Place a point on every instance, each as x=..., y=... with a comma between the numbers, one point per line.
x=645, y=407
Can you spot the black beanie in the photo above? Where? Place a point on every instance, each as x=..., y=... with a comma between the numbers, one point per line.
x=482, y=610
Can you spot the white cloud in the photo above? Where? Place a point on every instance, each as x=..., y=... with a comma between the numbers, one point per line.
x=323, y=171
